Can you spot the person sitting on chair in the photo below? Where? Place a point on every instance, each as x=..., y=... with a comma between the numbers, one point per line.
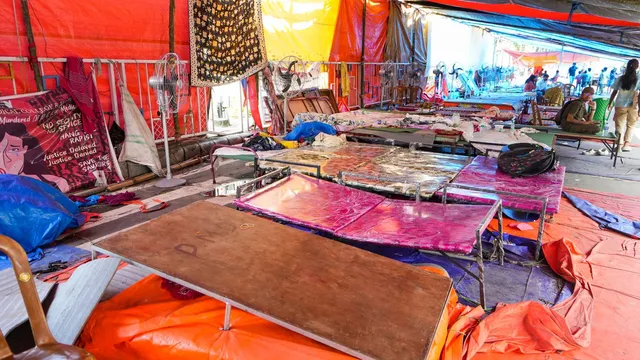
x=530, y=84
x=541, y=85
x=574, y=116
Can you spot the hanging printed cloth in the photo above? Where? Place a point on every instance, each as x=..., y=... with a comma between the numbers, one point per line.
x=83, y=92
x=227, y=41
x=344, y=79
x=271, y=100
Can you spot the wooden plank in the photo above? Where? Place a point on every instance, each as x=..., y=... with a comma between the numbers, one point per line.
x=76, y=299
x=12, y=310
x=363, y=304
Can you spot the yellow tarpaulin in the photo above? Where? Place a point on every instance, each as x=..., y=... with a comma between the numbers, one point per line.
x=302, y=28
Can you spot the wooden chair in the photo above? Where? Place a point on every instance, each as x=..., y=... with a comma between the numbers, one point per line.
x=535, y=114
x=399, y=94
x=46, y=345
x=415, y=95
x=567, y=90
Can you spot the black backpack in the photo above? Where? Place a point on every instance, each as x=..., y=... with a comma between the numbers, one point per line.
x=524, y=159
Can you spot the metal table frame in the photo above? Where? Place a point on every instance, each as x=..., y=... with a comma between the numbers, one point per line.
x=543, y=209
x=496, y=209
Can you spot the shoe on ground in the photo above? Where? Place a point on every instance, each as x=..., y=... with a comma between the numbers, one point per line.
x=590, y=152
x=626, y=148
x=603, y=152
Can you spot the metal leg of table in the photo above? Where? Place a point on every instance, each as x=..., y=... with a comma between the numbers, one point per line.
x=227, y=317
x=483, y=301
x=501, y=238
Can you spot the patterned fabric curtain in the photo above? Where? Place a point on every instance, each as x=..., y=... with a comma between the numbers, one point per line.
x=227, y=41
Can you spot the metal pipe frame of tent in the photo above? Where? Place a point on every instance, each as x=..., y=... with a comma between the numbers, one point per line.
x=496, y=209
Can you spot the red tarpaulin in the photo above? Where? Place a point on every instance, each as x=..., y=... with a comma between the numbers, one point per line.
x=549, y=57
x=347, y=41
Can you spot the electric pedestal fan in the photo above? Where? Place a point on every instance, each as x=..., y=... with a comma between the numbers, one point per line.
x=167, y=82
x=290, y=77
x=387, y=75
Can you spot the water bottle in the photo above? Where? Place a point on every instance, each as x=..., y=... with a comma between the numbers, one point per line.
x=513, y=127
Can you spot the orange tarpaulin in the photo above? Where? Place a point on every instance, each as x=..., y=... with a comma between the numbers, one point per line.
x=549, y=57
x=146, y=322
x=606, y=268
x=347, y=41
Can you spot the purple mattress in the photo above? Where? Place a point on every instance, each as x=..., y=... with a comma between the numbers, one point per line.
x=362, y=216
x=310, y=202
x=483, y=173
x=424, y=226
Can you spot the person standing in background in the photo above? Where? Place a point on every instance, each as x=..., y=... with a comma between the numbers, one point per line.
x=579, y=81
x=572, y=73
x=586, y=78
x=625, y=97
x=601, y=81
x=612, y=77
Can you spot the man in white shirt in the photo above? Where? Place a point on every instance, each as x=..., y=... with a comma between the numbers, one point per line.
x=541, y=85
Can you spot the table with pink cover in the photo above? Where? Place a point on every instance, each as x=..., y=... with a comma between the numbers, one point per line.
x=536, y=194
x=357, y=215
x=483, y=173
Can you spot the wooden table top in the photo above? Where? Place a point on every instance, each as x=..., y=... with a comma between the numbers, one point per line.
x=363, y=304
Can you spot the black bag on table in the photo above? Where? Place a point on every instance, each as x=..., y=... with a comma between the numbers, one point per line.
x=524, y=159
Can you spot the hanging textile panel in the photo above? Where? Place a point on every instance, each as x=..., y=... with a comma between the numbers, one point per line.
x=347, y=40
x=398, y=46
x=302, y=28
x=227, y=41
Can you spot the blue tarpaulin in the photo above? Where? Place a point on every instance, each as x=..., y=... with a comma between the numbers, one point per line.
x=309, y=129
x=606, y=219
x=34, y=213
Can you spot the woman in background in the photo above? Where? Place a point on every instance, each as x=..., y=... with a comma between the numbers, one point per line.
x=625, y=98
x=530, y=84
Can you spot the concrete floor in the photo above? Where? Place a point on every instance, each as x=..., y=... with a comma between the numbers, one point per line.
x=603, y=184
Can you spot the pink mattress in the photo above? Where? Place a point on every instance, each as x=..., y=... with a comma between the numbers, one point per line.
x=483, y=173
x=310, y=202
x=425, y=226
x=362, y=216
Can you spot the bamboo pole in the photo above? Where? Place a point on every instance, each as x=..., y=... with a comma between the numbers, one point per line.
x=33, y=55
x=364, y=26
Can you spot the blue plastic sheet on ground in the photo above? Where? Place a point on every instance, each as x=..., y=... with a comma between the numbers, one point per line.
x=64, y=253
x=36, y=254
x=308, y=130
x=34, y=213
x=508, y=283
x=606, y=219
x=88, y=201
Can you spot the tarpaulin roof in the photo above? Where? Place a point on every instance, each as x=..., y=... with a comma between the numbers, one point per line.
x=598, y=12
x=549, y=57
x=616, y=40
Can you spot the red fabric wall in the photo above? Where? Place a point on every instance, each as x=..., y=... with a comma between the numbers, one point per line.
x=347, y=41
x=135, y=29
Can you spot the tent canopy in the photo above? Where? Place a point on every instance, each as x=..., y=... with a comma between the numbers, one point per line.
x=549, y=57
x=597, y=12
x=621, y=41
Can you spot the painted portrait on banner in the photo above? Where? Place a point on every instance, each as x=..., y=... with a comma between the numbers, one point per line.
x=42, y=137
